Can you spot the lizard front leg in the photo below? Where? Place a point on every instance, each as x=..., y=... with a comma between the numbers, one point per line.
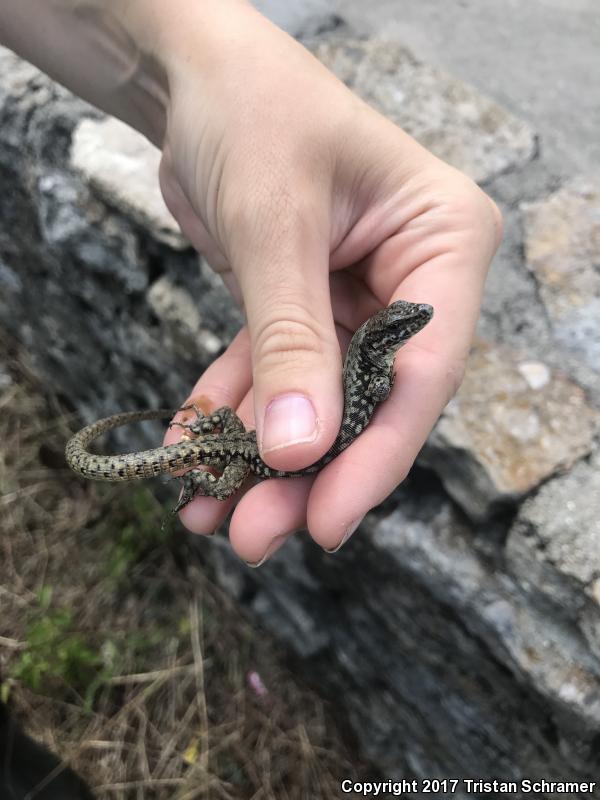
x=200, y=483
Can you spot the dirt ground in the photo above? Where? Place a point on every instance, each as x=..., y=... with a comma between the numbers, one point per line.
x=119, y=654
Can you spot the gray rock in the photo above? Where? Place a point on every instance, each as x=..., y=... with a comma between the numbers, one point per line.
x=180, y=316
x=450, y=118
x=553, y=549
x=10, y=280
x=562, y=248
x=438, y=658
x=512, y=425
x=78, y=271
x=122, y=165
x=6, y=379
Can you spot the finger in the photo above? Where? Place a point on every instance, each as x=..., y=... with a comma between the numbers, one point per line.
x=270, y=512
x=225, y=383
x=364, y=475
x=352, y=303
x=267, y=516
x=429, y=368
x=281, y=262
x=440, y=257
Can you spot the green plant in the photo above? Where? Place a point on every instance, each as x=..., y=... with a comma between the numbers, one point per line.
x=54, y=651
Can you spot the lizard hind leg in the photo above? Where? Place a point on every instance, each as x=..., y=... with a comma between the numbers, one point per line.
x=224, y=418
x=200, y=483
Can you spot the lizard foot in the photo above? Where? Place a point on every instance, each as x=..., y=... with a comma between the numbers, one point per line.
x=200, y=483
x=223, y=418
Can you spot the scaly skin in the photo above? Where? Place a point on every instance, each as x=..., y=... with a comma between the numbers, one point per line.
x=222, y=441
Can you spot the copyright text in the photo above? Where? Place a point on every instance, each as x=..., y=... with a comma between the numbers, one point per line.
x=465, y=785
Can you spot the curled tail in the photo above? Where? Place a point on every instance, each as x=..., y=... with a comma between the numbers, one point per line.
x=114, y=468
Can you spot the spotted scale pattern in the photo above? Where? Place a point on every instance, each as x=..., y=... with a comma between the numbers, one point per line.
x=220, y=440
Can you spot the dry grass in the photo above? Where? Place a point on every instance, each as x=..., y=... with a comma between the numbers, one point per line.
x=121, y=657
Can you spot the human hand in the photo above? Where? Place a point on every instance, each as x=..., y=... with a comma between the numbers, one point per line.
x=316, y=211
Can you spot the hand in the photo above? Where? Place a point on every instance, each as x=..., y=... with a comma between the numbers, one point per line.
x=317, y=212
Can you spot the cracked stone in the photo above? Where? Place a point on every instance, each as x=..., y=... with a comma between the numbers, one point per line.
x=122, y=165
x=512, y=425
x=562, y=249
x=446, y=115
x=432, y=630
x=553, y=548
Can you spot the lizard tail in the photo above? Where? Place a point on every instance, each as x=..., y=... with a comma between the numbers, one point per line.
x=126, y=467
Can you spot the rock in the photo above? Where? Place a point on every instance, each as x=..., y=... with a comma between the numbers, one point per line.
x=435, y=654
x=450, y=118
x=122, y=165
x=17, y=76
x=553, y=548
x=84, y=282
x=562, y=249
x=512, y=425
x=6, y=379
x=175, y=308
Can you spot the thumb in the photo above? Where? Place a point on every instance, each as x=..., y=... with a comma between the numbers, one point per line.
x=296, y=358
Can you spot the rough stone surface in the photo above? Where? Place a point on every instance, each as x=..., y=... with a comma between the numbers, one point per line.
x=553, y=549
x=122, y=166
x=513, y=424
x=422, y=629
x=174, y=306
x=450, y=118
x=562, y=248
x=443, y=665
x=84, y=285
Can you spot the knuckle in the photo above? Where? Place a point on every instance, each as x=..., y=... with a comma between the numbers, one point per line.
x=481, y=207
x=466, y=198
x=478, y=204
x=287, y=338
x=473, y=213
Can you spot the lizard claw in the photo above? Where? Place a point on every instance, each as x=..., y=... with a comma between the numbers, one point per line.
x=187, y=495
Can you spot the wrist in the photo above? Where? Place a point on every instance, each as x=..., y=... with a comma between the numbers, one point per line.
x=93, y=51
x=163, y=40
x=149, y=44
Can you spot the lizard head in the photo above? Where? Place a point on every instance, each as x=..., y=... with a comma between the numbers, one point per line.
x=391, y=327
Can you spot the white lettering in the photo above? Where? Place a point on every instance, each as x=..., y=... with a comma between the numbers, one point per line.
x=559, y=787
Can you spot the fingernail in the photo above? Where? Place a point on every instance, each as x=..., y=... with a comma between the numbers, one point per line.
x=272, y=548
x=289, y=419
x=348, y=533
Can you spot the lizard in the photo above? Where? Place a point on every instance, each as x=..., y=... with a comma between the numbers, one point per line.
x=220, y=439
